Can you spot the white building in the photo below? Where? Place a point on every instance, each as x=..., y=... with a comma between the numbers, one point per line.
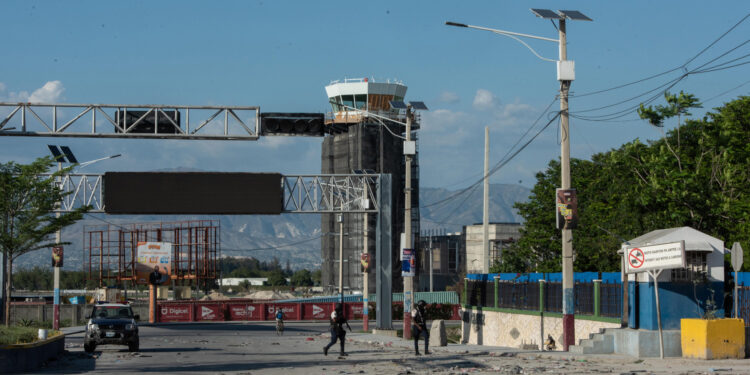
x=501, y=235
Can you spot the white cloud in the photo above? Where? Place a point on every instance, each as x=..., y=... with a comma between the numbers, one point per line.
x=485, y=100
x=448, y=97
x=51, y=92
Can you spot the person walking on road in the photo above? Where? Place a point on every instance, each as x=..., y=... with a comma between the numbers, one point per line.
x=337, y=329
x=419, y=326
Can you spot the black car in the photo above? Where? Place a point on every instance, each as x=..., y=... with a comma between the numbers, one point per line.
x=111, y=324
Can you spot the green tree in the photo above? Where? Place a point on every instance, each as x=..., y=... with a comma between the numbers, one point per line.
x=701, y=182
x=245, y=285
x=276, y=278
x=302, y=278
x=27, y=220
x=317, y=276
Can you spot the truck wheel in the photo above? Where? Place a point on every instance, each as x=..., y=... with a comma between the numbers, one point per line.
x=133, y=346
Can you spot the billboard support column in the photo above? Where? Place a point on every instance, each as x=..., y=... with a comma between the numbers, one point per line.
x=152, y=303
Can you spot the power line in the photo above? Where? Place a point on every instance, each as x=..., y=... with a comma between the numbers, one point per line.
x=498, y=166
x=667, y=71
x=464, y=190
x=725, y=92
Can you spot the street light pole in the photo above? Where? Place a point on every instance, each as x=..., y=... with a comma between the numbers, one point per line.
x=63, y=154
x=408, y=280
x=340, y=219
x=566, y=75
x=56, y=268
x=567, y=234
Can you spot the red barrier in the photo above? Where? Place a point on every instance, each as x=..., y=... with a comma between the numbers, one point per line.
x=241, y=310
x=175, y=313
x=317, y=311
x=245, y=311
x=353, y=310
x=291, y=310
x=209, y=312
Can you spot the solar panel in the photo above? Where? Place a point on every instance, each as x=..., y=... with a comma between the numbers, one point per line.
x=418, y=105
x=69, y=154
x=397, y=104
x=546, y=13
x=575, y=15
x=56, y=153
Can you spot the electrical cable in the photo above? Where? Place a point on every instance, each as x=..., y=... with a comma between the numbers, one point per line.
x=667, y=71
x=515, y=144
x=497, y=167
x=725, y=92
x=464, y=190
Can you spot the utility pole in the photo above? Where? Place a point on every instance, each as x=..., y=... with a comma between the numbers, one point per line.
x=408, y=280
x=486, y=211
x=431, y=251
x=340, y=219
x=366, y=273
x=567, y=234
x=58, y=239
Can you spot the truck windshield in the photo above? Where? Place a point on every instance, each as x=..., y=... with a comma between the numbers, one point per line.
x=111, y=312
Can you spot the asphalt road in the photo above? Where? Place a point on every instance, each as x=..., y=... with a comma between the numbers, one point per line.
x=254, y=348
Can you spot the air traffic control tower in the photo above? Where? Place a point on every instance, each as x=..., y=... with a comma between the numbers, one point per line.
x=358, y=141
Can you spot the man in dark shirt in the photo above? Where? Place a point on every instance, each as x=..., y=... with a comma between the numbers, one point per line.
x=337, y=329
x=154, y=278
x=419, y=326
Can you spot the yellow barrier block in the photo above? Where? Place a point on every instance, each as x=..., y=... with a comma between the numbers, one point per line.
x=712, y=339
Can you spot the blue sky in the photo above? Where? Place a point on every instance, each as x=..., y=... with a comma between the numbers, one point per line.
x=279, y=55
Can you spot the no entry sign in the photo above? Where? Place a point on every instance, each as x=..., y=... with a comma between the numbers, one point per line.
x=655, y=257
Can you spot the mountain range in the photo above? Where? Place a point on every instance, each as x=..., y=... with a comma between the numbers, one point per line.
x=296, y=237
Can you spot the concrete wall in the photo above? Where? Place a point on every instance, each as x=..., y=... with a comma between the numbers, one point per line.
x=498, y=328
x=676, y=300
x=76, y=314
x=645, y=344
x=29, y=357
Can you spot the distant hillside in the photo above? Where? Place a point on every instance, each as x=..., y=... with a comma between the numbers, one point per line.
x=266, y=236
x=467, y=208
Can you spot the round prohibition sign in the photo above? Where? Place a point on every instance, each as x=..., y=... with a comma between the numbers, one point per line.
x=636, y=258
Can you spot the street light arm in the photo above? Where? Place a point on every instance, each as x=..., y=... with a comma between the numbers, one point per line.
x=97, y=160
x=502, y=32
x=510, y=34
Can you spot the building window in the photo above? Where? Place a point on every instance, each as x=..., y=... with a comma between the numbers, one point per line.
x=453, y=255
x=697, y=268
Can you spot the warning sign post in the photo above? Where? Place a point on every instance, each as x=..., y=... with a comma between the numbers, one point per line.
x=654, y=259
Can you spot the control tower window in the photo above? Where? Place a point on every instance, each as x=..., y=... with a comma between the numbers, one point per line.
x=347, y=100
x=360, y=101
x=336, y=104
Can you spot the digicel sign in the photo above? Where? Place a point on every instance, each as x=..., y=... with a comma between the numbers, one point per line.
x=171, y=313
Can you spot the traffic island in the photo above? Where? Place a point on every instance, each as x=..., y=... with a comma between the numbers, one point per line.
x=29, y=357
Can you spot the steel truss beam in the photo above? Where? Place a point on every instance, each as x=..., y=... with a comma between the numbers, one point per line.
x=302, y=193
x=331, y=193
x=99, y=121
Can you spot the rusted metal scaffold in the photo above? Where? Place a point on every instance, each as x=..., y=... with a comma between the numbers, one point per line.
x=111, y=250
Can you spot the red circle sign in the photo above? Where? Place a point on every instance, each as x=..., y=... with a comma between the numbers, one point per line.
x=636, y=258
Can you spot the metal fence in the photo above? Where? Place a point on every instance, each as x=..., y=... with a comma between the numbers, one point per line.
x=611, y=300
x=526, y=296
x=743, y=302
x=521, y=296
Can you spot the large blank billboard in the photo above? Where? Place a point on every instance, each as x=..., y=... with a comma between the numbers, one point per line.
x=192, y=193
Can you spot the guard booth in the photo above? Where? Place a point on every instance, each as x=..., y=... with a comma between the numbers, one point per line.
x=683, y=292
